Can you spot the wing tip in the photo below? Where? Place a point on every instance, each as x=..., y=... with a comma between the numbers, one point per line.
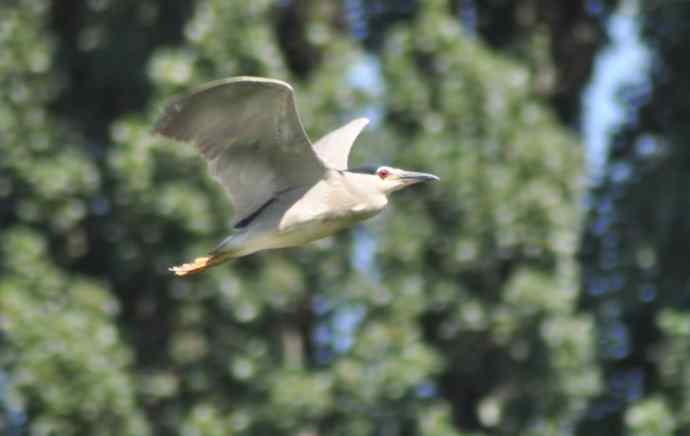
x=161, y=126
x=243, y=79
x=362, y=120
x=257, y=79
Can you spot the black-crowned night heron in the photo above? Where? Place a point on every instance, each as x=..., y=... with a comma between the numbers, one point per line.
x=284, y=190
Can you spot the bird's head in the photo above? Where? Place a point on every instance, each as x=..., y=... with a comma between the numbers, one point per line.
x=388, y=179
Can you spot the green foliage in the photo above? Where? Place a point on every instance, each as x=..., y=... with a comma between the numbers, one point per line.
x=634, y=246
x=649, y=417
x=463, y=324
x=68, y=365
x=496, y=283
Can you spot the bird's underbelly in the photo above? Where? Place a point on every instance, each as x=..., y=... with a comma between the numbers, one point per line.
x=290, y=233
x=320, y=226
x=249, y=242
x=312, y=230
x=302, y=235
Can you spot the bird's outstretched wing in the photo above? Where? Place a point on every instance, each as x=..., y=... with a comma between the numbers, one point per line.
x=334, y=148
x=249, y=130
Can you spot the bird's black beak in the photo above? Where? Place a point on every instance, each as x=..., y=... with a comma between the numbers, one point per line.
x=412, y=177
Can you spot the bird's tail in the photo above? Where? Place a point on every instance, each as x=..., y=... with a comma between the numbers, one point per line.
x=199, y=264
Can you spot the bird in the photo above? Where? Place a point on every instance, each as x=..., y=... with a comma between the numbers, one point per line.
x=285, y=191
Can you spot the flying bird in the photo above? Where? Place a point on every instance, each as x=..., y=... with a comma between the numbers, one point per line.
x=285, y=191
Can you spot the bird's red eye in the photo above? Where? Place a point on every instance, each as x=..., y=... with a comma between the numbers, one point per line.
x=383, y=173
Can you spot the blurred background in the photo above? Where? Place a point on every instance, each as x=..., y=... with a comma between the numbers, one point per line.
x=541, y=289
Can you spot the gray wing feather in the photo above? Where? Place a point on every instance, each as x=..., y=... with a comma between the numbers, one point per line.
x=249, y=130
x=334, y=148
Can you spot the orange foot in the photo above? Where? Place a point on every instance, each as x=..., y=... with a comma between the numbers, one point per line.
x=198, y=264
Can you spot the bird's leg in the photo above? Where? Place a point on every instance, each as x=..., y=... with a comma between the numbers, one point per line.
x=200, y=263
x=235, y=245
